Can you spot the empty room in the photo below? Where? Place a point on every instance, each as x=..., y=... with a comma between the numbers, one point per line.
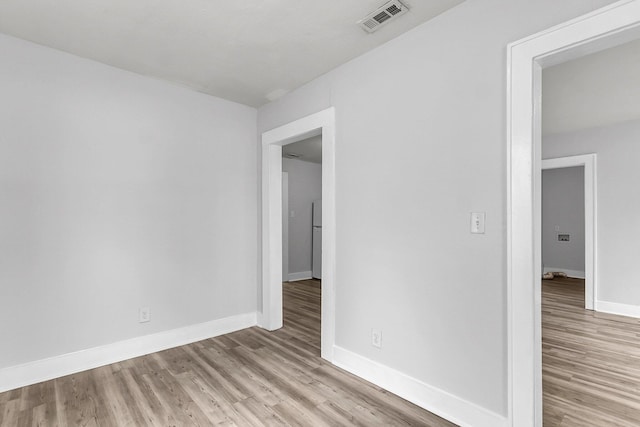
x=145, y=273
x=590, y=117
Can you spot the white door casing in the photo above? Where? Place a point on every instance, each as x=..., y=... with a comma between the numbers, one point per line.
x=285, y=226
x=321, y=123
x=588, y=161
x=606, y=27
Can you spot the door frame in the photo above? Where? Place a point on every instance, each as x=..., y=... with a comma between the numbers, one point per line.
x=320, y=123
x=589, y=162
x=285, y=226
x=603, y=28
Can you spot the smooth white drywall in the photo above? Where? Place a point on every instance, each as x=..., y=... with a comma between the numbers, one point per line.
x=596, y=90
x=305, y=186
x=116, y=192
x=618, y=203
x=420, y=143
x=563, y=213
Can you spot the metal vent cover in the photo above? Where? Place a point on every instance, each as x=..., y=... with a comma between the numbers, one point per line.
x=382, y=15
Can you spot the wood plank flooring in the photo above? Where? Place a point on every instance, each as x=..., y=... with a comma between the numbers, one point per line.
x=590, y=361
x=247, y=378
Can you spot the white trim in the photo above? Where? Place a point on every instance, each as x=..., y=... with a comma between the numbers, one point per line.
x=440, y=402
x=589, y=162
x=271, y=237
x=323, y=123
x=300, y=275
x=618, y=308
x=259, y=320
x=55, y=367
x=603, y=28
x=576, y=274
x=285, y=224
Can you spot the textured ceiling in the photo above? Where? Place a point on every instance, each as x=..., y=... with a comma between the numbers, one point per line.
x=248, y=51
x=600, y=89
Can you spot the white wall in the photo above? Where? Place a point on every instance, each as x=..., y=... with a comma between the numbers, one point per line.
x=420, y=143
x=305, y=186
x=563, y=208
x=618, y=149
x=592, y=91
x=114, y=194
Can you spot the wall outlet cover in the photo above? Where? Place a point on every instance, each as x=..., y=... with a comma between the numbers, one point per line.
x=376, y=338
x=144, y=315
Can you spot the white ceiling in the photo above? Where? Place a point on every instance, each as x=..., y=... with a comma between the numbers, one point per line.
x=596, y=90
x=307, y=150
x=248, y=51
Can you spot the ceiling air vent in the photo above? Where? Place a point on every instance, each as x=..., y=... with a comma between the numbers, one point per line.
x=382, y=15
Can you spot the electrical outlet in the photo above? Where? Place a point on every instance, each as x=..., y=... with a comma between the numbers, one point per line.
x=144, y=315
x=376, y=338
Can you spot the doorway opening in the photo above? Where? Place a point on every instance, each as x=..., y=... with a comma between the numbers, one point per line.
x=587, y=165
x=302, y=218
x=302, y=241
x=320, y=124
x=606, y=27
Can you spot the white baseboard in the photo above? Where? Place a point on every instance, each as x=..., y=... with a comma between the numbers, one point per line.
x=259, y=319
x=46, y=369
x=301, y=275
x=571, y=273
x=441, y=403
x=618, y=308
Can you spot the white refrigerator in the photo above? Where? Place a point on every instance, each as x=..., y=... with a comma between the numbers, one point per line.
x=316, y=262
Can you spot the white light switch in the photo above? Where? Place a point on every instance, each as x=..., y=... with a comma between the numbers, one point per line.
x=477, y=222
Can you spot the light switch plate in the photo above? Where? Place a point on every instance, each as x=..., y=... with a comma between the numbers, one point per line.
x=477, y=222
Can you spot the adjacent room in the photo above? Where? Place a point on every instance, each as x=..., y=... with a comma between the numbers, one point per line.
x=302, y=238
x=590, y=319
x=303, y=213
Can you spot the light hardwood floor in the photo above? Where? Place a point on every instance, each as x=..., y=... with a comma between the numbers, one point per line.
x=247, y=378
x=590, y=361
